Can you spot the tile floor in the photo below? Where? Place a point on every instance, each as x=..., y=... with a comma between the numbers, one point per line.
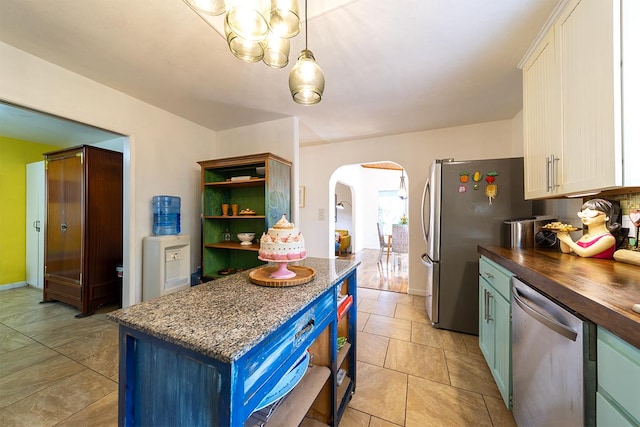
x=58, y=370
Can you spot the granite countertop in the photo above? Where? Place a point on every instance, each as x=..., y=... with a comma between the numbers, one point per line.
x=603, y=291
x=225, y=318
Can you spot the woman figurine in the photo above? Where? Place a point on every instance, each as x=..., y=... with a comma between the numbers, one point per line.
x=597, y=242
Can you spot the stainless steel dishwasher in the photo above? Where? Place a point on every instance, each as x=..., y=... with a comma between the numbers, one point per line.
x=554, y=363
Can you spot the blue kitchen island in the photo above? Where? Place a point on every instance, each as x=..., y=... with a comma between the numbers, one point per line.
x=219, y=353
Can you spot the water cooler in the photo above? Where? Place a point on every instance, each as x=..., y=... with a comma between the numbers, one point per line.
x=165, y=265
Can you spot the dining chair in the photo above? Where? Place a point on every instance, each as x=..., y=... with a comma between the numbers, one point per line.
x=384, y=247
x=399, y=241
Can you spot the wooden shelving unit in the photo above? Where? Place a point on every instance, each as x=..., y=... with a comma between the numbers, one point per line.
x=265, y=189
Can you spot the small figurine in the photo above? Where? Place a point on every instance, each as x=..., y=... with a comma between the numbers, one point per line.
x=597, y=242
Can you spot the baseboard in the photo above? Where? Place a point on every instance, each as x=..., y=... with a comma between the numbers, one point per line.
x=14, y=285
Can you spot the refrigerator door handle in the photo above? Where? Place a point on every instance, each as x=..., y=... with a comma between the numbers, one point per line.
x=550, y=323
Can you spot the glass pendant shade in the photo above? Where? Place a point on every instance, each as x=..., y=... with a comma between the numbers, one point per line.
x=249, y=19
x=402, y=191
x=306, y=80
x=209, y=7
x=245, y=50
x=285, y=18
x=276, y=51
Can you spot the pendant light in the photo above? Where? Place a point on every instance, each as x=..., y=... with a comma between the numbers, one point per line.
x=306, y=80
x=402, y=191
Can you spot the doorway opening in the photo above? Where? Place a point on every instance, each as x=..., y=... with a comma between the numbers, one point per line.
x=366, y=202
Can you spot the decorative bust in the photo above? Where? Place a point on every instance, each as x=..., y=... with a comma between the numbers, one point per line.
x=597, y=242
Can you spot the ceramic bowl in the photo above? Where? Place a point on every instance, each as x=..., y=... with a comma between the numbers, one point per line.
x=246, y=238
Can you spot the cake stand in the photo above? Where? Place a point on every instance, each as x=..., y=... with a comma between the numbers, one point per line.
x=281, y=275
x=282, y=272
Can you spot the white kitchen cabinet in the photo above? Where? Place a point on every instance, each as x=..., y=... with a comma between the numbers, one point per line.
x=542, y=141
x=575, y=80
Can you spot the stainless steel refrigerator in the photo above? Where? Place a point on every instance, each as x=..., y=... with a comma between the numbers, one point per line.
x=464, y=205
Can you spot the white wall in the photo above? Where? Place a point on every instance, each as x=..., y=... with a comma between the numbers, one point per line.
x=160, y=154
x=414, y=151
x=279, y=137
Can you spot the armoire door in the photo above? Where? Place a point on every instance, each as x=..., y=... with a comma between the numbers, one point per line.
x=35, y=224
x=64, y=226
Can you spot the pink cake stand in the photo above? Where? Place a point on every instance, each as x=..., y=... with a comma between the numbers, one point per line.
x=282, y=272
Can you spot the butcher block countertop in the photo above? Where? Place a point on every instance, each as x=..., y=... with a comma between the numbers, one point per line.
x=602, y=291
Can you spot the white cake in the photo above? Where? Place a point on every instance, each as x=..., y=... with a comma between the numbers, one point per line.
x=282, y=242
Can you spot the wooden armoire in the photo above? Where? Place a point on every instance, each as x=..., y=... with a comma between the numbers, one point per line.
x=83, y=230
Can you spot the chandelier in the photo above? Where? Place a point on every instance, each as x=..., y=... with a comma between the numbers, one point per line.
x=260, y=30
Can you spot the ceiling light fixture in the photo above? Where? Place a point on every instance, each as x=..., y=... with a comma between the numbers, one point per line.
x=306, y=80
x=255, y=30
x=259, y=30
x=402, y=191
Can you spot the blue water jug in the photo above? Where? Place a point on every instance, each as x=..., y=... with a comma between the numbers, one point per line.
x=166, y=215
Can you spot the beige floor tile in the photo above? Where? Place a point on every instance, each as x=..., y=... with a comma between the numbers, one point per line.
x=471, y=343
x=500, y=415
x=377, y=422
x=59, y=401
x=397, y=298
x=25, y=382
x=381, y=393
x=24, y=357
x=353, y=418
x=434, y=404
x=372, y=348
x=389, y=327
x=103, y=413
x=104, y=362
x=470, y=372
x=418, y=360
x=411, y=312
x=362, y=319
x=23, y=316
x=11, y=339
x=67, y=332
x=420, y=301
x=424, y=333
x=87, y=345
x=368, y=293
x=377, y=307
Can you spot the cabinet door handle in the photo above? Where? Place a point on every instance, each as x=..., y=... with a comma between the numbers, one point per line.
x=489, y=275
x=304, y=331
x=63, y=227
x=487, y=301
x=549, y=174
x=554, y=159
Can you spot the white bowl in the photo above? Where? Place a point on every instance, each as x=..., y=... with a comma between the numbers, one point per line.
x=246, y=238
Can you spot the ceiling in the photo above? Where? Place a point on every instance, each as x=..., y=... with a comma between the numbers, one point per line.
x=390, y=66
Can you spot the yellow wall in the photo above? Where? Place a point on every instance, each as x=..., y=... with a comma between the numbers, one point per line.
x=14, y=155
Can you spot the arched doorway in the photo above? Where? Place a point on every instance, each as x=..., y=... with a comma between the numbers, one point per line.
x=366, y=199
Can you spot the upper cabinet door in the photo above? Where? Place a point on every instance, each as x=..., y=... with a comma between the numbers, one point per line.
x=587, y=37
x=541, y=98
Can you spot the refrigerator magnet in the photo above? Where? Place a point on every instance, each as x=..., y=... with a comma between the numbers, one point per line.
x=462, y=188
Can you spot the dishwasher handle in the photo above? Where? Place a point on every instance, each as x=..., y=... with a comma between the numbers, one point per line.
x=547, y=321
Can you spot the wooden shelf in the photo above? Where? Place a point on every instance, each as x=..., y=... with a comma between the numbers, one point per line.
x=343, y=352
x=254, y=182
x=234, y=245
x=234, y=216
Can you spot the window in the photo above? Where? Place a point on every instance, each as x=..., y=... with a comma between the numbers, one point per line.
x=391, y=208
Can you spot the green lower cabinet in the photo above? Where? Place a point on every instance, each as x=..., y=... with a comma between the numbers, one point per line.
x=495, y=324
x=618, y=397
